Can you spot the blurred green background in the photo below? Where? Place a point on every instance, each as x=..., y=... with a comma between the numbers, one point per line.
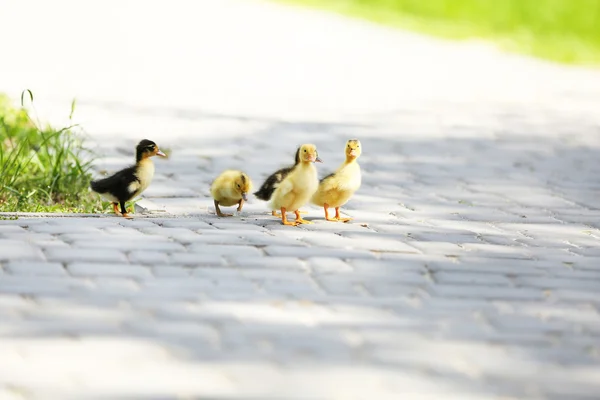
x=566, y=31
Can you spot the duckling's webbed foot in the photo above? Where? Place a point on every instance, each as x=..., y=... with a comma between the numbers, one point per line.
x=276, y=214
x=240, y=205
x=300, y=220
x=124, y=211
x=326, y=208
x=284, y=220
x=116, y=208
x=339, y=218
x=218, y=210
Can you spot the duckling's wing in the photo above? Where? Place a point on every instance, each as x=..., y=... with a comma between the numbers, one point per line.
x=268, y=187
x=116, y=183
x=328, y=177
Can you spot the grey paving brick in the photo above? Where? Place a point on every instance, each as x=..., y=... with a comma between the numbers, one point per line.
x=325, y=265
x=435, y=248
x=389, y=267
x=285, y=263
x=224, y=250
x=270, y=274
x=171, y=271
x=216, y=273
x=148, y=257
x=487, y=292
x=35, y=268
x=110, y=270
x=471, y=278
x=43, y=285
x=71, y=227
x=196, y=259
x=71, y=254
x=17, y=250
x=558, y=283
x=129, y=245
x=8, y=230
x=305, y=252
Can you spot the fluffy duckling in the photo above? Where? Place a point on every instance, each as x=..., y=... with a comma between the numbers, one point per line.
x=336, y=189
x=298, y=186
x=268, y=187
x=229, y=188
x=131, y=181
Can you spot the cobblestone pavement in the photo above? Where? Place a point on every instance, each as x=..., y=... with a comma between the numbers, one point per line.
x=471, y=269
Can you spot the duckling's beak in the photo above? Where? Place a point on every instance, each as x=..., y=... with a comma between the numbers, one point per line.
x=317, y=159
x=160, y=153
x=245, y=196
x=353, y=153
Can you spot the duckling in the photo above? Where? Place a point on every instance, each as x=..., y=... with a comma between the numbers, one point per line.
x=131, y=181
x=268, y=187
x=229, y=188
x=336, y=189
x=298, y=186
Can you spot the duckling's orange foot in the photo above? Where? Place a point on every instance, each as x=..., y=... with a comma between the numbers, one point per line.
x=127, y=216
x=326, y=208
x=339, y=218
x=218, y=211
x=116, y=208
x=300, y=220
x=276, y=214
x=284, y=220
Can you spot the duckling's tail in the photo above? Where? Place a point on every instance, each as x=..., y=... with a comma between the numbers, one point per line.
x=264, y=193
x=99, y=186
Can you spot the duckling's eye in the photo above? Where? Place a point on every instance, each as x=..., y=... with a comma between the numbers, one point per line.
x=238, y=186
x=305, y=150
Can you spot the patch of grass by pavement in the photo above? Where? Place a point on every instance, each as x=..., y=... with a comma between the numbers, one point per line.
x=566, y=31
x=42, y=169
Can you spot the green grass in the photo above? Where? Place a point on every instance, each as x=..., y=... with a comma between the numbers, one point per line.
x=42, y=169
x=566, y=31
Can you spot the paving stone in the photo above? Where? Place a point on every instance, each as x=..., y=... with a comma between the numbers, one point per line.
x=305, y=252
x=487, y=292
x=16, y=250
x=111, y=270
x=557, y=283
x=285, y=263
x=224, y=250
x=35, y=268
x=130, y=245
x=196, y=259
x=472, y=278
x=325, y=265
x=148, y=257
x=8, y=230
x=71, y=254
x=171, y=271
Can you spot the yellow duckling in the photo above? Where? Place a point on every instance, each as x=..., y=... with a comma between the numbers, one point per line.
x=270, y=184
x=296, y=189
x=230, y=188
x=336, y=189
x=130, y=182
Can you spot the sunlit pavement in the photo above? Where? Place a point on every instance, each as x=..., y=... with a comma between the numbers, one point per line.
x=471, y=269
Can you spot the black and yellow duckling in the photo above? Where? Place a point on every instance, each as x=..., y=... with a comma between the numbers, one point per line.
x=298, y=186
x=230, y=188
x=268, y=187
x=336, y=189
x=131, y=181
